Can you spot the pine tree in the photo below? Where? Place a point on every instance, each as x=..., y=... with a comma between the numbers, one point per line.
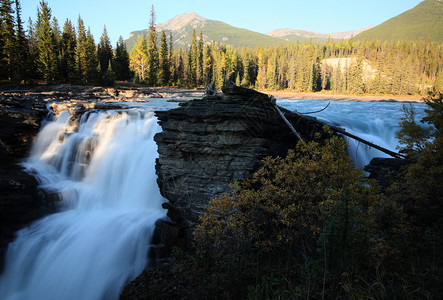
x=33, y=50
x=121, y=61
x=81, y=55
x=104, y=52
x=68, y=53
x=56, y=39
x=208, y=65
x=139, y=61
x=163, y=71
x=172, y=67
x=22, y=47
x=92, y=61
x=47, y=59
x=152, y=50
x=200, y=60
x=193, y=53
x=7, y=40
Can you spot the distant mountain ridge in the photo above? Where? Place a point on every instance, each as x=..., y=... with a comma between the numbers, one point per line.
x=294, y=35
x=423, y=21
x=181, y=27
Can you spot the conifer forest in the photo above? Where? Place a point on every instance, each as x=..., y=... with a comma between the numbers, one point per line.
x=47, y=53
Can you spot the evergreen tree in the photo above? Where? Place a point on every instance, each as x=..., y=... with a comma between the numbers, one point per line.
x=7, y=40
x=193, y=53
x=81, y=55
x=200, y=60
x=104, y=52
x=152, y=50
x=172, y=68
x=208, y=65
x=121, y=61
x=68, y=52
x=22, y=48
x=92, y=61
x=33, y=50
x=163, y=71
x=47, y=58
x=56, y=39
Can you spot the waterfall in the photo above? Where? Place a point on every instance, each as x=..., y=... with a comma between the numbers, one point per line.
x=103, y=168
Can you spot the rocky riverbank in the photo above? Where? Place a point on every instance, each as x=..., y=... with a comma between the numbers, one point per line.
x=20, y=200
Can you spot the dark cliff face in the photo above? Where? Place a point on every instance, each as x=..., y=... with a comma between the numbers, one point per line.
x=20, y=200
x=208, y=144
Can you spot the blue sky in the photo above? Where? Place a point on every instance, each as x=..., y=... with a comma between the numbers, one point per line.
x=325, y=16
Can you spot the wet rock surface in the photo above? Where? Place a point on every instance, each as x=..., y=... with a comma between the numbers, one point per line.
x=20, y=200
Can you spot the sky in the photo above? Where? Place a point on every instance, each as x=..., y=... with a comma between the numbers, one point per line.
x=122, y=17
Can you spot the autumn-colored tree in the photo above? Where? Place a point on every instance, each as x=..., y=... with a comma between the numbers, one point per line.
x=138, y=59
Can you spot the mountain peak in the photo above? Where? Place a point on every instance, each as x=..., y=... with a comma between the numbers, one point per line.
x=181, y=21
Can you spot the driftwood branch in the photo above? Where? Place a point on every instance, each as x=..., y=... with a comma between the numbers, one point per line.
x=285, y=120
x=314, y=112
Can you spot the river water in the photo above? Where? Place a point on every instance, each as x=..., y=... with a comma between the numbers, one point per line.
x=103, y=169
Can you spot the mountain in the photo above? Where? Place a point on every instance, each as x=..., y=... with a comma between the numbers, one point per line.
x=294, y=35
x=182, y=26
x=423, y=21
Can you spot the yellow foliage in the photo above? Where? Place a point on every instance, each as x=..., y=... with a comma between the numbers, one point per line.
x=282, y=203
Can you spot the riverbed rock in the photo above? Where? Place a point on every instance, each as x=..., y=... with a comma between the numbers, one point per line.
x=21, y=202
x=207, y=144
x=386, y=170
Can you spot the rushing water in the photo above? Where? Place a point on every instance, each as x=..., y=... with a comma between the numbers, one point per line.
x=104, y=172
x=376, y=122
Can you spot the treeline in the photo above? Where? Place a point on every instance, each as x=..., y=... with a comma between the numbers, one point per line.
x=46, y=53
x=342, y=67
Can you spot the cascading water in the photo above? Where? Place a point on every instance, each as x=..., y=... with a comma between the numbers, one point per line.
x=104, y=173
x=376, y=122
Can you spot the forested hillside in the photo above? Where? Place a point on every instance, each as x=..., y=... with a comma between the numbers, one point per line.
x=423, y=21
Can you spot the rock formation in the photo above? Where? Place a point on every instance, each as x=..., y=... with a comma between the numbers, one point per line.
x=208, y=144
x=20, y=200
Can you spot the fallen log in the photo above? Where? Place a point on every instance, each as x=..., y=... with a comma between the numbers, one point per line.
x=335, y=129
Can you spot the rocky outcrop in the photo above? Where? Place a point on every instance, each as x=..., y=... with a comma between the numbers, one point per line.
x=208, y=144
x=386, y=170
x=20, y=200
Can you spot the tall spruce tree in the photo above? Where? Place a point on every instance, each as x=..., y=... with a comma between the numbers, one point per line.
x=7, y=40
x=33, y=50
x=163, y=71
x=68, y=52
x=47, y=59
x=193, y=53
x=92, y=61
x=121, y=61
x=172, y=67
x=104, y=52
x=81, y=56
x=200, y=60
x=152, y=50
x=22, y=47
